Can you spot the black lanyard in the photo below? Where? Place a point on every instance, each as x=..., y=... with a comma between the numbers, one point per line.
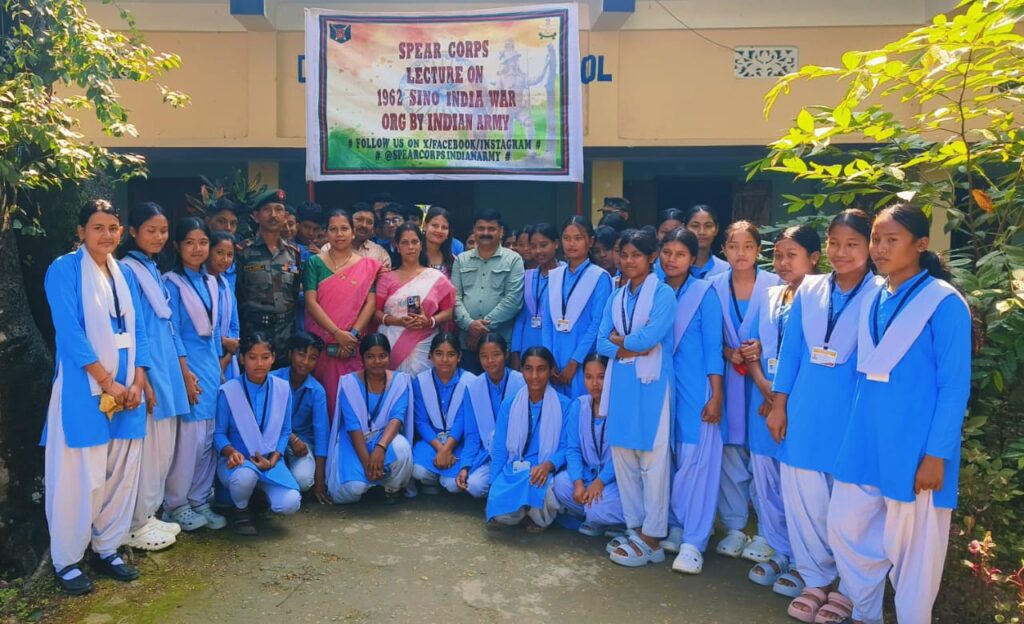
x=117, y=306
x=538, y=291
x=252, y=406
x=682, y=287
x=206, y=287
x=371, y=417
x=732, y=291
x=503, y=387
x=579, y=277
x=529, y=427
x=899, y=306
x=627, y=322
x=780, y=323
x=834, y=320
x=437, y=395
x=593, y=434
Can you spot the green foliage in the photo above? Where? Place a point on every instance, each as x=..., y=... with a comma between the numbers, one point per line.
x=238, y=188
x=55, y=63
x=932, y=118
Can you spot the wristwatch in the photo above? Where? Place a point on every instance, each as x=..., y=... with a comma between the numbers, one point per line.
x=354, y=332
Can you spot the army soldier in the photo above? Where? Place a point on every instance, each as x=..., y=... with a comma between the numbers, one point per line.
x=269, y=276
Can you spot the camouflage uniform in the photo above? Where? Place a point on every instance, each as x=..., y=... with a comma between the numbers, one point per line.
x=268, y=292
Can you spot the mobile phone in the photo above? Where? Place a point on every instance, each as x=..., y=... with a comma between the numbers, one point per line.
x=412, y=305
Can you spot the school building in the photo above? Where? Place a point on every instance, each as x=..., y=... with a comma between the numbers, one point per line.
x=672, y=106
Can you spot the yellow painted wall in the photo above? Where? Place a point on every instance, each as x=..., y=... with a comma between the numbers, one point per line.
x=669, y=88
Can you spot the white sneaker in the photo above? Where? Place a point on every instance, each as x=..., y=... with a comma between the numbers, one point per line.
x=214, y=520
x=167, y=527
x=674, y=539
x=188, y=519
x=150, y=539
x=733, y=543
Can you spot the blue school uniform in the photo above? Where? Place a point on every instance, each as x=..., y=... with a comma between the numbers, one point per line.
x=576, y=464
x=226, y=433
x=457, y=247
x=165, y=373
x=578, y=342
x=309, y=412
x=475, y=453
x=634, y=408
x=228, y=301
x=423, y=453
x=773, y=314
x=83, y=422
x=350, y=467
x=231, y=274
x=502, y=500
x=920, y=409
x=712, y=267
x=698, y=354
x=815, y=428
x=201, y=352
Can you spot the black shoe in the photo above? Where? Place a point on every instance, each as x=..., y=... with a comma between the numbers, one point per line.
x=117, y=571
x=241, y=522
x=78, y=586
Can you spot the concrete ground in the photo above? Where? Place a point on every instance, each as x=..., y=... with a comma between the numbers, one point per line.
x=426, y=560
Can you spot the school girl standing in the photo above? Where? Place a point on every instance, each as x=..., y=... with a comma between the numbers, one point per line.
x=636, y=335
x=701, y=220
x=736, y=289
x=368, y=444
x=796, y=255
x=486, y=392
x=897, y=468
x=697, y=437
x=586, y=489
x=166, y=398
x=440, y=400
x=194, y=308
x=96, y=418
x=818, y=359
x=222, y=258
x=309, y=407
x=254, y=424
x=577, y=293
x=529, y=448
x=528, y=329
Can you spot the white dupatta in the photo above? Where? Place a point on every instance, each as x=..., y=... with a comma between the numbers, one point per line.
x=256, y=440
x=647, y=368
x=550, y=425
x=194, y=305
x=98, y=308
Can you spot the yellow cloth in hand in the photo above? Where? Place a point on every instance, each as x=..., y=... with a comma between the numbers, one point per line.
x=109, y=405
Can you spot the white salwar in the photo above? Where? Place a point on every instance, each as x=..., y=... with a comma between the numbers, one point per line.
x=806, y=495
x=644, y=479
x=157, y=453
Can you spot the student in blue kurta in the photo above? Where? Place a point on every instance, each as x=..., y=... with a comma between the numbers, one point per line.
x=697, y=435
x=586, y=489
x=222, y=258
x=818, y=359
x=577, y=293
x=441, y=404
x=486, y=392
x=701, y=220
x=736, y=289
x=796, y=255
x=528, y=329
x=897, y=468
x=368, y=445
x=96, y=419
x=668, y=220
x=195, y=307
x=309, y=408
x=529, y=448
x=166, y=398
x=254, y=424
x=636, y=335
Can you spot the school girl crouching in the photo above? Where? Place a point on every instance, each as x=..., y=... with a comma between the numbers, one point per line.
x=796, y=255
x=309, y=408
x=440, y=400
x=369, y=441
x=818, y=359
x=486, y=392
x=636, y=330
x=697, y=435
x=529, y=324
x=586, y=489
x=254, y=424
x=529, y=448
x=93, y=450
x=166, y=398
x=195, y=307
x=736, y=289
x=897, y=469
x=577, y=293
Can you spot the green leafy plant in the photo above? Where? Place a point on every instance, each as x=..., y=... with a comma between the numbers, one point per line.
x=932, y=118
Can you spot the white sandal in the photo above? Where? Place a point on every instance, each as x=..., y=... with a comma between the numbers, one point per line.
x=758, y=550
x=674, y=540
x=689, y=560
x=632, y=559
x=150, y=539
x=733, y=543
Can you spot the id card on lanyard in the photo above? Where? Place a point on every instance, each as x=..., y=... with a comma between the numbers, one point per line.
x=627, y=321
x=823, y=356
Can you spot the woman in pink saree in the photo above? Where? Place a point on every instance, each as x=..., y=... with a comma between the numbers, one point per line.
x=414, y=302
x=339, y=287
